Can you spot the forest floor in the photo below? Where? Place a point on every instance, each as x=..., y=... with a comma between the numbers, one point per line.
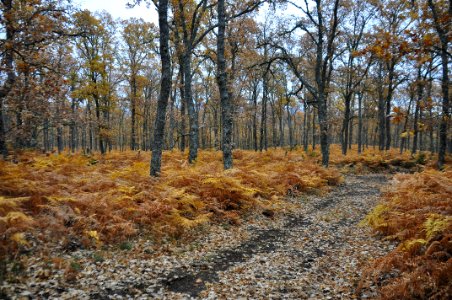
x=316, y=251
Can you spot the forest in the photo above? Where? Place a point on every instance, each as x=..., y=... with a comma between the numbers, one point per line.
x=126, y=140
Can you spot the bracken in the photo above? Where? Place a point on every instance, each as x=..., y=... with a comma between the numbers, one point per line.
x=111, y=198
x=417, y=212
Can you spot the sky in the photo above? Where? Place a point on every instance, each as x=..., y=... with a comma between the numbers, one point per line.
x=118, y=9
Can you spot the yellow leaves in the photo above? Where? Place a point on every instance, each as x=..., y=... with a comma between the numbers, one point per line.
x=189, y=223
x=428, y=40
x=137, y=169
x=405, y=134
x=93, y=234
x=412, y=245
x=7, y=204
x=377, y=218
x=128, y=190
x=55, y=200
x=15, y=218
x=436, y=224
x=19, y=239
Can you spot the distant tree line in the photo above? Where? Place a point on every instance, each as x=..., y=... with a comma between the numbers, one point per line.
x=225, y=75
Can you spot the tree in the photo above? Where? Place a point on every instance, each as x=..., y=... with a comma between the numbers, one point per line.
x=389, y=47
x=30, y=28
x=165, y=89
x=138, y=37
x=96, y=48
x=222, y=78
x=321, y=27
x=441, y=20
x=354, y=67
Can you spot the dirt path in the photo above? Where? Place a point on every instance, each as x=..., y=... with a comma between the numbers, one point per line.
x=318, y=253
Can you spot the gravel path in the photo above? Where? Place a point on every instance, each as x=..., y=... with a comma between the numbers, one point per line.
x=316, y=253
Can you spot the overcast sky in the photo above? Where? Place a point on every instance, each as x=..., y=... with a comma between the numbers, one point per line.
x=117, y=8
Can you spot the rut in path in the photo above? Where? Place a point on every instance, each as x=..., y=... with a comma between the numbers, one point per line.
x=280, y=258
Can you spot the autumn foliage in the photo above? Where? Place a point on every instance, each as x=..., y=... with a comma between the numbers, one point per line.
x=107, y=199
x=416, y=212
x=372, y=160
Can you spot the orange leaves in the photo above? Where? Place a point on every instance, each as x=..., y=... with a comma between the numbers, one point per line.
x=417, y=213
x=108, y=199
x=398, y=115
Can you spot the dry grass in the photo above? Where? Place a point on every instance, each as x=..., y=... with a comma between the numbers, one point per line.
x=417, y=212
x=95, y=200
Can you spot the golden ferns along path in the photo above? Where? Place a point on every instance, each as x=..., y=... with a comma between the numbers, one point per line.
x=316, y=250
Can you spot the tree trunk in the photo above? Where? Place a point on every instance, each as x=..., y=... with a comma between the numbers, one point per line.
x=172, y=121
x=345, y=122
x=222, y=79
x=182, y=105
x=255, y=116
x=305, y=127
x=381, y=111
x=443, y=37
x=263, y=129
x=360, y=123
x=165, y=89
x=133, y=100
x=350, y=131
x=314, y=133
x=192, y=112
x=3, y=148
x=323, y=122
x=11, y=76
x=419, y=85
x=281, y=127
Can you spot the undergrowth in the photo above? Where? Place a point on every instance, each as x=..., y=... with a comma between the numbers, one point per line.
x=417, y=213
x=373, y=160
x=78, y=200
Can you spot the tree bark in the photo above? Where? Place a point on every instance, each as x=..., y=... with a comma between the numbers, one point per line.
x=443, y=37
x=254, y=97
x=222, y=79
x=165, y=89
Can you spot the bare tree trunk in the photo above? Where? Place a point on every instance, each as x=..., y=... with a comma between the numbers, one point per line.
x=323, y=122
x=289, y=124
x=405, y=125
x=133, y=109
x=314, y=131
x=3, y=149
x=182, y=106
x=281, y=126
x=172, y=122
x=255, y=116
x=274, y=134
x=350, y=131
x=11, y=76
x=360, y=122
x=305, y=127
x=263, y=129
x=222, y=79
x=192, y=112
x=381, y=111
x=443, y=36
x=165, y=89
x=419, y=85
x=345, y=124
